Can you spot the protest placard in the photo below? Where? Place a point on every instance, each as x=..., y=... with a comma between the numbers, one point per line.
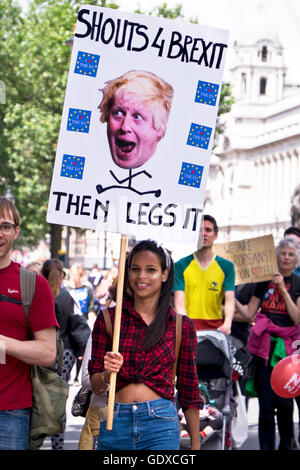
x=137, y=162
x=137, y=130
x=254, y=259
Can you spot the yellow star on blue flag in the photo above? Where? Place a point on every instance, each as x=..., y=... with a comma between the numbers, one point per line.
x=190, y=175
x=207, y=93
x=79, y=120
x=72, y=166
x=199, y=136
x=87, y=64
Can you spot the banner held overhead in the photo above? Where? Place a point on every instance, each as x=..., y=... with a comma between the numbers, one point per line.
x=137, y=125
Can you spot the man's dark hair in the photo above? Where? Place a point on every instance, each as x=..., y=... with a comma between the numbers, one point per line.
x=292, y=231
x=7, y=207
x=210, y=219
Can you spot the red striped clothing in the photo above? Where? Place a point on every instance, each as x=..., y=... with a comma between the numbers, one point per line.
x=152, y=367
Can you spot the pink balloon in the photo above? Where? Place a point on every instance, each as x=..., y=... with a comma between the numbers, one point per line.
x=285, y=377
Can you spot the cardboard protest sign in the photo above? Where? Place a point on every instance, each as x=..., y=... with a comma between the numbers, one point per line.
x=137, y=125
x=254, y=259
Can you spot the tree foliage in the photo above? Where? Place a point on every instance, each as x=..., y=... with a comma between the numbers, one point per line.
x=32, y=117
x=10, y=27
x=34, y=63
x=164, y=11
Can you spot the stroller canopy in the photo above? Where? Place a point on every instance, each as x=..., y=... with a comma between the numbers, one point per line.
x=213, y=355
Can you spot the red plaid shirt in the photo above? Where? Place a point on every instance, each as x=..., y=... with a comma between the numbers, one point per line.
x=152, y=367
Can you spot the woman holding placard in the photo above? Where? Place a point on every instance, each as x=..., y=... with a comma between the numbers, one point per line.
x=275, y=335
x=145, y=415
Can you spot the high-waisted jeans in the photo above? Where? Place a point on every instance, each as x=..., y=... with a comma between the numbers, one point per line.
x=149, y=425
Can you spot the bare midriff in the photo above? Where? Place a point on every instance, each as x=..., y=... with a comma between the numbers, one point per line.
x=133, y=393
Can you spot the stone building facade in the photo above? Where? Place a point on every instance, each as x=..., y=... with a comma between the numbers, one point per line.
x=255, y=167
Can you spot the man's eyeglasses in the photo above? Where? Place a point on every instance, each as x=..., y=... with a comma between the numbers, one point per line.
x=7, y=227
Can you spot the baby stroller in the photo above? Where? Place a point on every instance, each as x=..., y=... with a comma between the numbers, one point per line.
x=214, y=367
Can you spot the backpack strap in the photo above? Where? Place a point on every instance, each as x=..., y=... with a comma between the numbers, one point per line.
x=178, y=329
x=27, y=282
x=5, y=298
x=107, y=321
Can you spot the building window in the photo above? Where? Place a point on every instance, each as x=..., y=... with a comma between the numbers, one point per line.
x=243, y=84
x=262, y=86
x=264, y=54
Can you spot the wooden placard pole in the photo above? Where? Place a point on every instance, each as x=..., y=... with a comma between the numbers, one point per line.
x=116, y=335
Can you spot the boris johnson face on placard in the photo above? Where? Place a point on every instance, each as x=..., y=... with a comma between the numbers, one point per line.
x=131, y=133
x=136, y=110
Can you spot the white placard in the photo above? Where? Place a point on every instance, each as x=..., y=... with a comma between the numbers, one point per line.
x=122, y=176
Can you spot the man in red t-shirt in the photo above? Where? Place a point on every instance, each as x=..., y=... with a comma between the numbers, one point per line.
x=17, y=352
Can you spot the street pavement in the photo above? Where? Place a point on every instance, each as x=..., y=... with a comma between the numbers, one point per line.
x=74, y=425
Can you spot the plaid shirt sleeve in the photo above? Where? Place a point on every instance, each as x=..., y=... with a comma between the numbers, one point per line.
x=187, y=379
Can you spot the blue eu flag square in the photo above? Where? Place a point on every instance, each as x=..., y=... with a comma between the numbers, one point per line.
x=87, y=64
x=190, y=175
x=72, y=166
x=79, y=120
x=207, y=93
x=199, y=136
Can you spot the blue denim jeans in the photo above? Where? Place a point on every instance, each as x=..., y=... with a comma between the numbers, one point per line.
x=14, y=429
x=151, y=425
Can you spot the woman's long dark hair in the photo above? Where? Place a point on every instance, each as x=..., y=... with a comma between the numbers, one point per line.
x=52, y=270
x=156, y=329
